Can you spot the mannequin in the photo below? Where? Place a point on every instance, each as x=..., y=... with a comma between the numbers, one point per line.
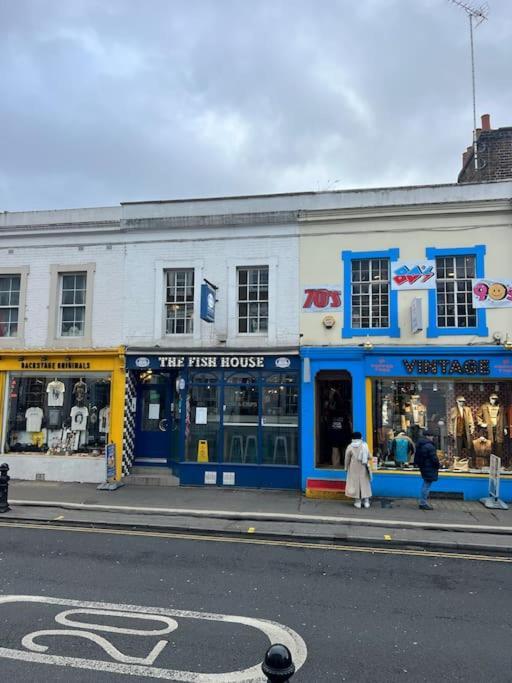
x=334, y=426
x=402, y=448
x=80, y=392
x=482, y=447
x=387, y=410
x=461, y=426
x=418, y=417
x=418, y=412
x=491, y=416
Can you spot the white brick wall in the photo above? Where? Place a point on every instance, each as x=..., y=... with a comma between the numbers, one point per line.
x=107, y=296
x=215, y=259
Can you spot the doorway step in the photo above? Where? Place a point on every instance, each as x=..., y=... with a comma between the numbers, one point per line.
x=151, y=476
x=326, y=488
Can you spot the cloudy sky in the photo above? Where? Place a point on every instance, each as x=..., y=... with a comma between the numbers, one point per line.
x=104, y=101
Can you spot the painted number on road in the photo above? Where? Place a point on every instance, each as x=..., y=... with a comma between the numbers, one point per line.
x=77, y=622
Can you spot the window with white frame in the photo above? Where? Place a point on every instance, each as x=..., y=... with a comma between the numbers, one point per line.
x=72, y=302
x=454, y=298
x=10, y=286
x=179, y=301
x=370, y=289
x=252, y=299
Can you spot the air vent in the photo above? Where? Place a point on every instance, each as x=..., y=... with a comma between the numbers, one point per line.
x=40, y=476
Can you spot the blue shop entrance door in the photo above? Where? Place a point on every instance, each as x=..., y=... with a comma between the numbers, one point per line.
x=153, y=428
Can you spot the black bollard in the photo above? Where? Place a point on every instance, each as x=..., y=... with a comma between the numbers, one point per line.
x=278, y=666
x=4, y=488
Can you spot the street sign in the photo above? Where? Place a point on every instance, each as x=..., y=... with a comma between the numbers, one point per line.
x=110, y=470
x=207, y=303
x=493, y=500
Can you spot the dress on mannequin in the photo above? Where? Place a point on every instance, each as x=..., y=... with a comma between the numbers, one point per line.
x=491, y=416
x=461, y=426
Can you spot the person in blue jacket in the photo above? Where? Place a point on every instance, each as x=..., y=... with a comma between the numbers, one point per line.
x=428, y=462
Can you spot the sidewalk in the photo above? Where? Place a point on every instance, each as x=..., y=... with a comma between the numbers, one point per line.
x=279, y=514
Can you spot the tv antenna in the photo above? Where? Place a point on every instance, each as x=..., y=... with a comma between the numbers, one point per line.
x=476, y=15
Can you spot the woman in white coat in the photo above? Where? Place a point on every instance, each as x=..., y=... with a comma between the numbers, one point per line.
x=357, y=464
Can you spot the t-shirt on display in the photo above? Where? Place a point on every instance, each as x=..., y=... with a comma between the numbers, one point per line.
x=55, y=391
x=34, y=418
x=79, y=416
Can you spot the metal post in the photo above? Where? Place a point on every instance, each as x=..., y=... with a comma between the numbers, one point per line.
x=4, y=488
x=278, y=666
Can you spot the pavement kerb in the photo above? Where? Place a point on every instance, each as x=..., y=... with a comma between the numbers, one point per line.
x=269, y=516
x=472, y=550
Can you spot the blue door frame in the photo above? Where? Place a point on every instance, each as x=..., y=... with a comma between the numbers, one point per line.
x=153, y=437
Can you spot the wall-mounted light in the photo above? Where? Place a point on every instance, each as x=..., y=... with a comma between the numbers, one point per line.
x=329, y=321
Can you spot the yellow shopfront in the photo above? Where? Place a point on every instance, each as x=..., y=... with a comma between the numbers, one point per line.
x=58, y=410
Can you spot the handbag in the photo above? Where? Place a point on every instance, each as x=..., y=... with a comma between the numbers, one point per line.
x=461, y=464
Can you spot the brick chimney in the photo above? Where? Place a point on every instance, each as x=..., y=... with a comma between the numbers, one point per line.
x=494, y=155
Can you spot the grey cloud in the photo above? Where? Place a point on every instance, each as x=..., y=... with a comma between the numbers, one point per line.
x=120, y=100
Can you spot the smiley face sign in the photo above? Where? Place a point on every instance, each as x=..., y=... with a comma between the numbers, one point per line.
x=492, y=293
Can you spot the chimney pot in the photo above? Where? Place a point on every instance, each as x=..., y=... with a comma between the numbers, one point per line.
x=486, y=122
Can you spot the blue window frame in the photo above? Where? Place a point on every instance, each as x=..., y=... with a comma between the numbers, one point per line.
x=349, y=328
x=480, y=328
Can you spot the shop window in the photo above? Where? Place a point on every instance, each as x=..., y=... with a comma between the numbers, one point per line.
x=58, y=415
x=202, y=377
x=470, y=420
x=371, y=307
x=252, y=299
x=450, y=304
x=241, y=378
x=280, y=419
x=73, y=290
x=241, y=416
x=179, y=301
x=10, y=286
x=333, y=401
x=203, y=419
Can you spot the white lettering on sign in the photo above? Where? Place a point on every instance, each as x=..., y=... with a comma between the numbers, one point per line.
x=126, y=663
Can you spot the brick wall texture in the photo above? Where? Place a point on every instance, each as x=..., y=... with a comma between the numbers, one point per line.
x=494, y=156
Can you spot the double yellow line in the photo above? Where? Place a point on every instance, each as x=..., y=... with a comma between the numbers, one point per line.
x=259, y=541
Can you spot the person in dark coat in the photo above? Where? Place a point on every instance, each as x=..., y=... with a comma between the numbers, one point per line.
x=428, y=462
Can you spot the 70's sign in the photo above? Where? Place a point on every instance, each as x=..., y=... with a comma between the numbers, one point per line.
x=321, y=298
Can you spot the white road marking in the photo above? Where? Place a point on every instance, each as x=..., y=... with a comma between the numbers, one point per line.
x=276, y=633
x=28, y=642
x=62, y=618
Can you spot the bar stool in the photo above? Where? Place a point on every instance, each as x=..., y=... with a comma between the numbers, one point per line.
x=281, y=441
x=251, y=443
x=236, y=449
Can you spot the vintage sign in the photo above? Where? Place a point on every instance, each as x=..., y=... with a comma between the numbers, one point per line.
x=398, y=366
x=321, y=298
x=406, y=275
x=447, y=367
x=490, y=293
